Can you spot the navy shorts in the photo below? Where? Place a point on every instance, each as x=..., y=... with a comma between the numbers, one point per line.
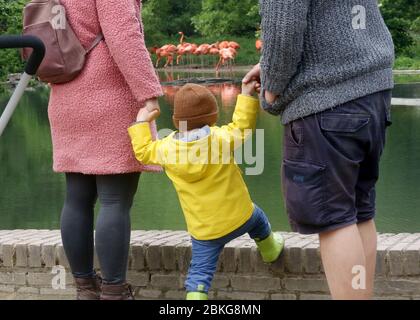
x=331, y=164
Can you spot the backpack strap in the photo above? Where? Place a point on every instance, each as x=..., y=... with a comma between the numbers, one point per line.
x=95, y=42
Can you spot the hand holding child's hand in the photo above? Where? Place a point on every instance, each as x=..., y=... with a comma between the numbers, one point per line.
x=149, y=112
x=250, y=88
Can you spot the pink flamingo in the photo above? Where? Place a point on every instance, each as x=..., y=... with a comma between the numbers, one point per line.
x=184, y=48
x=167, y=51
x=234, y=45
x=258, y=45
x=214, y=50
x=224, y=45
x=202, y=50
x=226, y=55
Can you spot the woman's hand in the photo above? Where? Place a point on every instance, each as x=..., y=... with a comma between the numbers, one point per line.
x=152, y=104
x=145, y=115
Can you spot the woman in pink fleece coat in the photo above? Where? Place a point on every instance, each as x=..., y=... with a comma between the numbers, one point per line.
x=89, y=117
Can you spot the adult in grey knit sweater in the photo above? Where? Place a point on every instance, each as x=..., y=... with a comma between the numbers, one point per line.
x=326, y=70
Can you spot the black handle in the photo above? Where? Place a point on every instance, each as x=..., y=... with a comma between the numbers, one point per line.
x=35, y=43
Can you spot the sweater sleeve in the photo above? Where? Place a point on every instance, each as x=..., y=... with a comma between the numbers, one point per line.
x=123, y=33
x=283, y=24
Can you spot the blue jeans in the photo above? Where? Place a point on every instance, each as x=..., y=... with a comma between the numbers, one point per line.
x=205, y=253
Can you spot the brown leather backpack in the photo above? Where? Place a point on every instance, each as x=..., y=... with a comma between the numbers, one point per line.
x=65, y=55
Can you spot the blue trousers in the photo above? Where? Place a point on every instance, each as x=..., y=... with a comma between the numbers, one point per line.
x=205, y=253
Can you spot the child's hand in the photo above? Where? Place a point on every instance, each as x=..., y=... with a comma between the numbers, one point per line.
x=250, y=88
x=270, y=97
x=146, y=115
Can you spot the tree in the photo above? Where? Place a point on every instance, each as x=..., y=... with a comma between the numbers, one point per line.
x=163, y=18
x=10, y=23
x=415, y=26
x=222, y=17
x=400, y=16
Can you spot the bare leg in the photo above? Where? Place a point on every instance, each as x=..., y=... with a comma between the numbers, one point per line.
x=368, y=235
x=341, y=251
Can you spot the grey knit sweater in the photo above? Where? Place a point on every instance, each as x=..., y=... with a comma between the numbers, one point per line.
x=318, y=54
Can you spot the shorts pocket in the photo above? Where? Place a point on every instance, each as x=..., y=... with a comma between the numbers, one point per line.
x=293, y=135
x=343, y=122
x=303, y=185
x=347, y=133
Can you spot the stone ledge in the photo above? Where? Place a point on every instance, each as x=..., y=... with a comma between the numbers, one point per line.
x=408, y=102
x=159, y=261
x=398, y=254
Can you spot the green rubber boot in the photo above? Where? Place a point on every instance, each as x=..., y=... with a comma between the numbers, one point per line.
x=271, y=247
x=197, y=296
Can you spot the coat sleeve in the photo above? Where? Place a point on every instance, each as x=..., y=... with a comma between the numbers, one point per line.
x=123, y=33
x=243, y=122
x=283, y=24
x=145, y=150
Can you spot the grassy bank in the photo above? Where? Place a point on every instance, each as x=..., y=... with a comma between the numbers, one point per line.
x=410, y=60
x=407, y=78
x=407, y=63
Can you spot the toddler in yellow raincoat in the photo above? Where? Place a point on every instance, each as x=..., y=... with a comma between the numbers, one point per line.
x=199, y=159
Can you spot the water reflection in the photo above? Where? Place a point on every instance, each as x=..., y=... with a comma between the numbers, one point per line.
x=225, y=92
x=409, y=90
x=31, y=195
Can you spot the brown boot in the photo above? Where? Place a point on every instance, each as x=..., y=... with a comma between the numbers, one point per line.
x=88, y=289
x=117, y=292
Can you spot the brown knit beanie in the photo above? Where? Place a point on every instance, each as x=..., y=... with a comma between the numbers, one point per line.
x=195, y=105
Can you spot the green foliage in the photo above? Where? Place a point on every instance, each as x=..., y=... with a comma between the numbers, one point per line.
x=415, y=26
x=407, y=63
x=10, y=23
x=407, y=78
x=227, y=17
x=11, y=16
x=399, y=16
x=163, y=18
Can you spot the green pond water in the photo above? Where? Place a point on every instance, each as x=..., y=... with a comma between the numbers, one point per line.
x=31, y=195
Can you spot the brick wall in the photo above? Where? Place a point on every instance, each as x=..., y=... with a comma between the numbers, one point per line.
x=159, y=261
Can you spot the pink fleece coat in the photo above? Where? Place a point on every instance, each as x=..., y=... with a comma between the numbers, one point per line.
x=89, y=116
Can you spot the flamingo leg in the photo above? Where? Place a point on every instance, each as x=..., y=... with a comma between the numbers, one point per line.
x=218, y=64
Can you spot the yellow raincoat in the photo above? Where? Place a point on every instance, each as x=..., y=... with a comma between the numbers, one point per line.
x=210, y=187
